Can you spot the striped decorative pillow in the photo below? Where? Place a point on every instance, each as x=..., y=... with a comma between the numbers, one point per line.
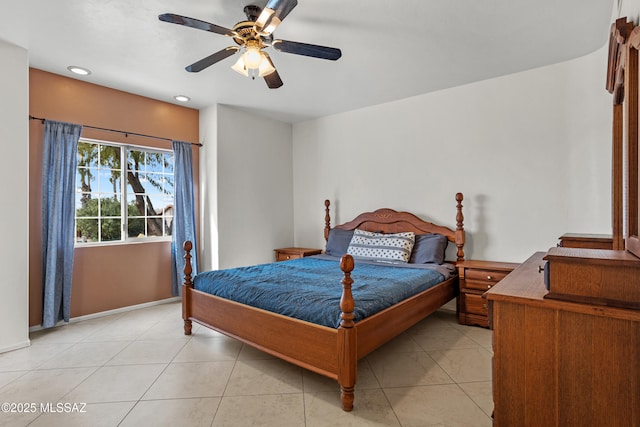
x=381, y=247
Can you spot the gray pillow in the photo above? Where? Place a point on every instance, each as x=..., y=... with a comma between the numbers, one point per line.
x=429, y=249
x=338, y=241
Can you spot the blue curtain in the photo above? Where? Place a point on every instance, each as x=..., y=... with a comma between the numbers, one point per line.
x=184, y=222
x=59, y=161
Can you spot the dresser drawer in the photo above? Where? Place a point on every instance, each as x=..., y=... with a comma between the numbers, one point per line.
x=482, y=280
x=474, y=304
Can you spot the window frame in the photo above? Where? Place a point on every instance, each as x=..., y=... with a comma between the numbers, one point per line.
x=124, y=201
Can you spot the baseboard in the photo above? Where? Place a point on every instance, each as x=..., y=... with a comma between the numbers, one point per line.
x=16, y=346
x=108, y=313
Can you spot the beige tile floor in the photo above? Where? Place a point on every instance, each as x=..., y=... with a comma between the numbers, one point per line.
x=138, y=369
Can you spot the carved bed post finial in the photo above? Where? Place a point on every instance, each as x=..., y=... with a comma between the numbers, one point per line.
x=186, y=287
x=327, y=220
x=346, y=302
x=460, y=235
x=347, y=350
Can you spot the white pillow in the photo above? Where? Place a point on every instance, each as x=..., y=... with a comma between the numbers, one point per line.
x=381, y=247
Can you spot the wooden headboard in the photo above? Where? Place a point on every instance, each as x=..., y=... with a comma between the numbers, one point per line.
x=390, y=221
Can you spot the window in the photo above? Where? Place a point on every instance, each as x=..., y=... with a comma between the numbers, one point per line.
x=123, y=201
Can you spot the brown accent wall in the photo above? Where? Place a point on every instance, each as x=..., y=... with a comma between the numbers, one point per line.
x=116, y=275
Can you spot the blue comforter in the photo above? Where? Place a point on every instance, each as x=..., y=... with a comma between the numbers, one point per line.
x=309, y=288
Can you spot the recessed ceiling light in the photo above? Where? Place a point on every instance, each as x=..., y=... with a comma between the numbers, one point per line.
x=79, y=70
x=182, y=98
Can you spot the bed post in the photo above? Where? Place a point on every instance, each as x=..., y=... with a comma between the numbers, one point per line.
x=347, y=352
x=460, y=237
x=327, y=220
x=186, y=288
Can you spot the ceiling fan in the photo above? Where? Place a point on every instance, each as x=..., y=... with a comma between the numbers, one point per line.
x=252, y=36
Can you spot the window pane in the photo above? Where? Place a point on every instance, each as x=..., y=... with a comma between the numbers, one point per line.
x=88, y=205
x=110, y=205
x=136, y=182
x=110, y=157
x=135, y=160
x=87, y=154
x=155, y=204
x=155, y=182
x=86, y=230
x=135, y=227
x=155, y=226
x=155, y=162
x=168, y=185
x=111, y=229
x=86, y=179
x=109, y=181
x=168, y=162
x=135, y=204
x=168, y=225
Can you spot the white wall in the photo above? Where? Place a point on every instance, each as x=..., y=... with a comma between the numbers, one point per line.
x=626, y=8
x=248, y=189
x=208, y=249
x=14, y=174
x=530, y=152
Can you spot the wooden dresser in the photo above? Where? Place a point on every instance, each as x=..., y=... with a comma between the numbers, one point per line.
x=285, y=254
x=476, y=277
x=562, y=363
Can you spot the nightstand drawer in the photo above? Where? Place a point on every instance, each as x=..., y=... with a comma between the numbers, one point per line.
x=286, y=257
x=483, y=279
x=474, y=304
x=286, y=254
x=477, y=277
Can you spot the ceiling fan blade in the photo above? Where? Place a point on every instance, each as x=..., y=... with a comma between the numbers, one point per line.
x=195, y=23
x=273, y=79
x=212, y=59
x=273, y=14
x=297, y=48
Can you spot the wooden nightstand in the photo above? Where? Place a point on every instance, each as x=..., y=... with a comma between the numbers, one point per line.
x=477, y=277
x=285, y=254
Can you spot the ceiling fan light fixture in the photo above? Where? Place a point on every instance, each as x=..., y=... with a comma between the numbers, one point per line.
x=266, y=67
x=239, y=67
x=263, y=67
x=252, y=57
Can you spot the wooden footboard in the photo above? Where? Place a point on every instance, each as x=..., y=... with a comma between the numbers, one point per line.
x=326, y=351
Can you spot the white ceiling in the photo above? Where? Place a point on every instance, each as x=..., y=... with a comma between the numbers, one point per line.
x=390, y=49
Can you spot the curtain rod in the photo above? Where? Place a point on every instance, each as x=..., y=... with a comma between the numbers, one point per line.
x=119, y=131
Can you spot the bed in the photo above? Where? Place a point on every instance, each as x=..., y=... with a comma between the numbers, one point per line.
x=329, y=350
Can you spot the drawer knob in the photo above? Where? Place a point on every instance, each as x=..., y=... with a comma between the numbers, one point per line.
x=485, y=306
x=488, y=286
x=489, y=277
x=288, y=257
